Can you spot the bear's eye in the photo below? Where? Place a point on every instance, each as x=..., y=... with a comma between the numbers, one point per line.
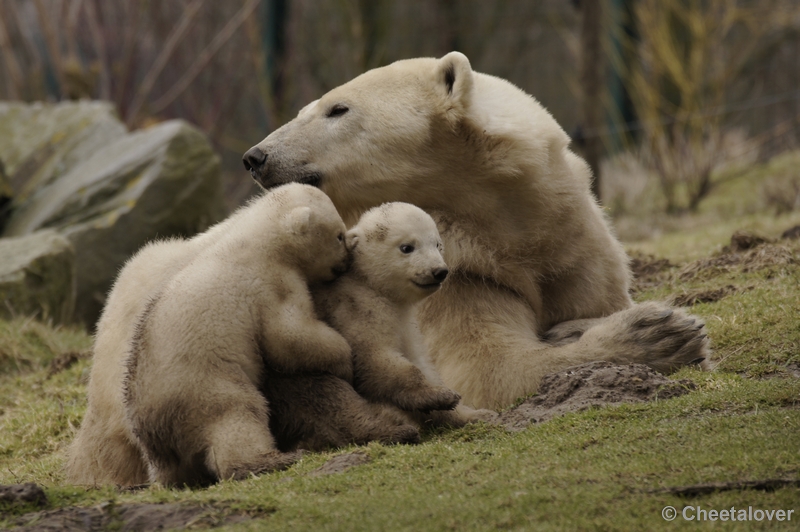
x=406, y=248
x=338, y=110
x=340, y=238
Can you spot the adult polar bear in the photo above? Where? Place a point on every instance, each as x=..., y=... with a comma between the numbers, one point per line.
x=538, y=282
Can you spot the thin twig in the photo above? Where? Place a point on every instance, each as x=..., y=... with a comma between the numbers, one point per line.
x=205, y=57
x=53, y=46
x=100, y=49
x=14, y=79
x=161, y=61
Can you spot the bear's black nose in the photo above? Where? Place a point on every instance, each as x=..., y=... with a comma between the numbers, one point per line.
x=440, y=274
x=254, y=159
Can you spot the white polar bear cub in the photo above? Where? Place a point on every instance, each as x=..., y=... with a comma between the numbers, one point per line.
x=397, y=262
x=197, y=359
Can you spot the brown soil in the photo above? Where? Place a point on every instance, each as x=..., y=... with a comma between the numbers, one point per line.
x=128, y=517
x=648, y=271
x=594, y=384
x=742, y=241
x=21, y=494
x=341, y=463
x=65, y=361
x=694, y=297
x=747, y=252
x=793, y=233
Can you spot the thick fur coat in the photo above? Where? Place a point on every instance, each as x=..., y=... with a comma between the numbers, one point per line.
x=538, y=281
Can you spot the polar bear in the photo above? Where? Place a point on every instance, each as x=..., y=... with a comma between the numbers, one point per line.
x=396, y=263
x=104, y=451
x=312, y=412
x=538, y=281
x=192, y=387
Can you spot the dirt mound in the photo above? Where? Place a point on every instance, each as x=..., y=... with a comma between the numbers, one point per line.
x=648, y=271
x=793, y=233
x=694, y=297
x=594, y=384
x=128, y=517
x=21, y=494
x=742, y=241
x=747, y=252
x=65, y=361
x=341, y=463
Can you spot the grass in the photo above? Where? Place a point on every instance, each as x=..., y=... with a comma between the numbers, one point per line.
x=601, y=469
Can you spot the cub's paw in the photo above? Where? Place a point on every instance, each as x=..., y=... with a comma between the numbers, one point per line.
x=661, y=337
x=428, y=399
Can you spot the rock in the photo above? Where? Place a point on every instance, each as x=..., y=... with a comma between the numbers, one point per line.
x=593, y=384
x=158, y=182
x=37, y=276
x=41, y=141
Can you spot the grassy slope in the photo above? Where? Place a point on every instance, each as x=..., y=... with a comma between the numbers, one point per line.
x=592, y=470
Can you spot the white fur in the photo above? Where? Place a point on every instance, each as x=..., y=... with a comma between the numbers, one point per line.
x=528, y=245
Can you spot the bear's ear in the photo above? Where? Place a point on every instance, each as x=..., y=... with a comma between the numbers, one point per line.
x=299, y=220
x=454, y=74
x=351, y=239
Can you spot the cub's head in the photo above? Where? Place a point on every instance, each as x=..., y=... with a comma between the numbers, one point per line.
x=315, y=233
x=397, y=248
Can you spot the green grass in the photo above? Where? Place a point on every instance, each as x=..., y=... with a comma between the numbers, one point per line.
x=596, y=470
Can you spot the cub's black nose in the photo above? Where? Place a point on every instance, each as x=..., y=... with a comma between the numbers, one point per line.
x=440, y=274
x=254, y=158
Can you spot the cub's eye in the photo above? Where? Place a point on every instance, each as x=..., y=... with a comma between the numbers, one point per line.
x=338, y=110
x=340, y=237
x=406, y=248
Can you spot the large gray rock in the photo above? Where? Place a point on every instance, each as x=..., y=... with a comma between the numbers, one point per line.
x=41, y=141
x=74, y=168
x=37, y=276
x=158, y=182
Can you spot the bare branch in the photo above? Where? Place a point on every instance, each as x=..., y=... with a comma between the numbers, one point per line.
x=100, y=50
x=51, y=37
x=205, y=56
x=14, y=78
x=161, y=61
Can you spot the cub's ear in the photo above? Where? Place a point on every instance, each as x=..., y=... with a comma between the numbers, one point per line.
x=299, y=220
x=454, y=74
x=351, y=239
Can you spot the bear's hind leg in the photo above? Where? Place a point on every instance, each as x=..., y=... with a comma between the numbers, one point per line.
x=490, y=353
x=240, y=444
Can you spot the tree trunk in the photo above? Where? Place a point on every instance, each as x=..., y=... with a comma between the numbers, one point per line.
x=591, y=86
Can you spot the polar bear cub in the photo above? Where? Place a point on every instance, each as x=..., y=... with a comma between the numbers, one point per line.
x=397, y=262
x=203, y=344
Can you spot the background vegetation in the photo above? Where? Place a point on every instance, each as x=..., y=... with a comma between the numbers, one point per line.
x=700, y=113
